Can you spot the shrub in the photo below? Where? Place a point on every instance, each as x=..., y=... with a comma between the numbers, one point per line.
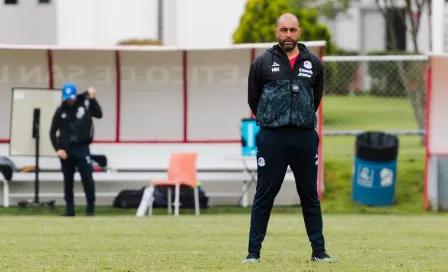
x=140, y=42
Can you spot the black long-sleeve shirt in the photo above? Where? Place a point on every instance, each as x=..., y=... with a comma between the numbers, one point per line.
x=74, y=122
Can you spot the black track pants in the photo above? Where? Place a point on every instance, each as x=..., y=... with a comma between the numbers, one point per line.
x=78, y=156
x=277, y=149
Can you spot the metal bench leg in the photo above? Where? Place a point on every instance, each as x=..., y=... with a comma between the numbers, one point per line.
x=196, y=200
x=5, y=193
x=169, y=202
x=176, y=199
x=146, y=202
x=245, y=198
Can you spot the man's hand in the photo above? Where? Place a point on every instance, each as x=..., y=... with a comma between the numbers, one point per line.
x=61, y=154
x=91, y=92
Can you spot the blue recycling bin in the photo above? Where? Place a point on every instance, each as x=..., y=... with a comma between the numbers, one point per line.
x=375, y=169
x=249, y=135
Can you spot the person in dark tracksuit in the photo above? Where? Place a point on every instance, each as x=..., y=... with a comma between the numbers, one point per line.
x=73, y=120
x=285, y=87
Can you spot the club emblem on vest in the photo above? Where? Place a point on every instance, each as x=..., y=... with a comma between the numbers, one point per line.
x=261, y=162
x=307, y=65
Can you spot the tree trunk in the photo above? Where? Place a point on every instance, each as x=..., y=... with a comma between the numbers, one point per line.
x=417, y=91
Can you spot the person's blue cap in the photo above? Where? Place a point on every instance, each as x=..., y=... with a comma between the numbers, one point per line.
x=68, y=91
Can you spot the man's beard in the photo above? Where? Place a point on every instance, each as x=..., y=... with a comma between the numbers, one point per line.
x=287, y=48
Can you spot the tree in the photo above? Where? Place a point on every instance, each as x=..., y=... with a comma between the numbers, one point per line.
x=328, y=8
x=412, y=14
x=258, y=22
x=413, y=10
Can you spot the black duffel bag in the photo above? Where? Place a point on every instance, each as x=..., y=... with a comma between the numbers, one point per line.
x=186, y=197
x=7, y=168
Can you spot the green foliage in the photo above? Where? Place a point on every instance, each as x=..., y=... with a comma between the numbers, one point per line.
x=140, y=42
x=257, y=25
x=330, y=8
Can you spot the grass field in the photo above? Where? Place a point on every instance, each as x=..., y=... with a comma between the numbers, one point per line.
x=368, y=112
x=218, y=243
x=396, y=238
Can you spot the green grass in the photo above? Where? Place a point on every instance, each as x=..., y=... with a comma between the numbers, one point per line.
x=396, y=239
x=370, y=113
x=219, y=243
x=367, y=112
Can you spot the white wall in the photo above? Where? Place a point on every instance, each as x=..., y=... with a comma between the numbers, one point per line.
x=186, y=23
x=27, y=23
x=345, y=32
x=207, y=23
x=70, y=29
x=105, y=22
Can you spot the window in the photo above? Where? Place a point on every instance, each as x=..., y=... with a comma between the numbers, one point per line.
x=11, y=2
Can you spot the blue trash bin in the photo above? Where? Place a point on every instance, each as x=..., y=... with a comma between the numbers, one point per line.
x=375, y=168
x=249, y=135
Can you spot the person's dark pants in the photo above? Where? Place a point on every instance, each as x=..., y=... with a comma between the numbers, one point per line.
x=78, y=156
x=278, y=148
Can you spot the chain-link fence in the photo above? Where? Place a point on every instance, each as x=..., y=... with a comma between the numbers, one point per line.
x=382, y=93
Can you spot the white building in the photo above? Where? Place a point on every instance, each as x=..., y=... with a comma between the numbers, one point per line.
x=364, y=28
x=106, y=22
x=185, y=23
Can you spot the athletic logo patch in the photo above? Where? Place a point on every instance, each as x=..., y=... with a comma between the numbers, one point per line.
x=307, y=65
x=261, y=162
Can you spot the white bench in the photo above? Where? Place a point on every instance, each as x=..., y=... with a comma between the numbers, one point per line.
x=121, y=177
x=215, y=168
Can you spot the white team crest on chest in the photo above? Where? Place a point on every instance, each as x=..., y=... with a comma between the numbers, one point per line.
x=80, y=113
x=307, y=65
x=307, y=70
x=261, y=162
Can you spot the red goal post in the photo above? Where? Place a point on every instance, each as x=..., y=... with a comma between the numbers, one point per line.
x=436, y=168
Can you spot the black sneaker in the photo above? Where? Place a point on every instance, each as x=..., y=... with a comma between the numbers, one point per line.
x=252, y=258
x=90, y=208
x=322, y=256
x=68, y=213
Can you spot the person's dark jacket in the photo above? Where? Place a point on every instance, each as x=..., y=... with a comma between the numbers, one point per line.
x=271, y=96
x=74, y=122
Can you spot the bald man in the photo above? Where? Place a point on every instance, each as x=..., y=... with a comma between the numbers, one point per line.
x=285, y=87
